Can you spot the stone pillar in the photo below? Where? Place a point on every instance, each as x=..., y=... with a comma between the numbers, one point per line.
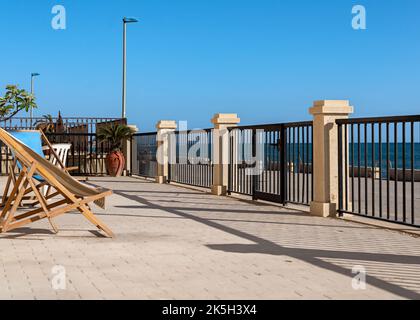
x=221, y=124
x=325, y=144
x=127, y=151
x=164, y=130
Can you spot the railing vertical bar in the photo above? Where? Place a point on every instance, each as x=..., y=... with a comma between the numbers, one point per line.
x=191, y=159
x=181, y=166
x=266, y=162
x=396, y=169
x=359, y=167
x=388, y=172
x=243, y=165
x=238, y=135
x=373, y=168
x=246, y=137
x=340, y=169
x=366, y=169
x=303, y=170
x=404, y=164
x=283, y=166
x=294, y=164
x=298, y=164
x=352, y=167
x=255, y=178
x=91, y=152
x=249, y=157
x=274, y=163
x=412, y=174
x=380, y=171
x=305, y=167
x=269, y=160
x=346, y=168
x=313, y=164
x=230, y=165
x=289, y=168
x=274, y=160
x=192, y=172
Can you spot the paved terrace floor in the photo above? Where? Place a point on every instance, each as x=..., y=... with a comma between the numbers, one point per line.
x=176, y=243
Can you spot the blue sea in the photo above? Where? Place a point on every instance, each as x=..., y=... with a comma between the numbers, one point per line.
x=272, y=154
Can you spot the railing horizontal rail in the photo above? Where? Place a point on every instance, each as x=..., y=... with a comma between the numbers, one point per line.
x=145, y=134
x=71, y=135
x=274, y=126
x=63, y=124
x=192, y=131
x=380, y=119
x=64, y=118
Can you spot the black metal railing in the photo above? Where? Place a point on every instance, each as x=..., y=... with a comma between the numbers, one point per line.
x=379, y=168
x=190, y=160
x=144, y=150
x=61, y=125
x=272, y=162
x=87, y=154
x=299, y=161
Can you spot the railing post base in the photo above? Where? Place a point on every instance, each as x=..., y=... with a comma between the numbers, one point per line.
x=323, y=209
x=161, y=180
x=219, y=190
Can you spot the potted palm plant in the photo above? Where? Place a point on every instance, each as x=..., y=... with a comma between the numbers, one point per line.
x=115, y=135
x=46, y=124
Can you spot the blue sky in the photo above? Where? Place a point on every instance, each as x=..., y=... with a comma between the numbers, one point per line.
x=266, y=60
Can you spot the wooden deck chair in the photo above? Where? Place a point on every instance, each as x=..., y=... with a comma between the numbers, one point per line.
x=34, y=139
x=69, y=193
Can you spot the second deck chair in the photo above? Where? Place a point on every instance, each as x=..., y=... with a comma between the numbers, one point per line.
x=69, y=193
x=62, y=151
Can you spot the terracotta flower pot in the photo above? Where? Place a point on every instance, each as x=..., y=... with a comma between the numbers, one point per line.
x=115, y=162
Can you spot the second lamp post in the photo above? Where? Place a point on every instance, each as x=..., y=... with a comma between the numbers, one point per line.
x=33, y=75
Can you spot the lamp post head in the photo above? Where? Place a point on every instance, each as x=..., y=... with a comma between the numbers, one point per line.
x=35, y=74
x=130, y=20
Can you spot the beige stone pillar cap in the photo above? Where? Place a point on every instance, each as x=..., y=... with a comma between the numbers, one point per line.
x=331, y=107
x=166, y=124
x=225, y=118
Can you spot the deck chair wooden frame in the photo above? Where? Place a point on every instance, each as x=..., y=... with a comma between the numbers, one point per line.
x=55, y=158
x=69, y=193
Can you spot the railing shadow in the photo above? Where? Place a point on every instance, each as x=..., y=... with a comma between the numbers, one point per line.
x=312, y=256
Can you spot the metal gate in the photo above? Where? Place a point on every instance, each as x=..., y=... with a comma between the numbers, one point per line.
x=272, y=162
